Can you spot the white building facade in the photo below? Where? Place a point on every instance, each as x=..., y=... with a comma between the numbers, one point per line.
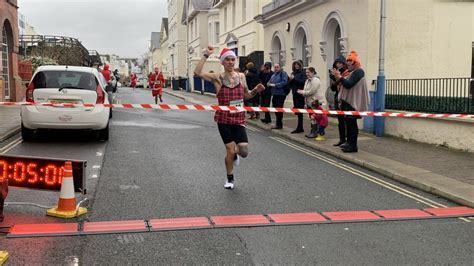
x=423, y=39
x=176, y=39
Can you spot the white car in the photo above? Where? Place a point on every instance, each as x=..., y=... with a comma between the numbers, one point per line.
x=65, y=84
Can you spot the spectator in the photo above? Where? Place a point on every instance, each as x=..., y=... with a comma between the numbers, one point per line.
x=277, y=83
x=3, y=195
x=353, y=96
x=312, y=92
x=251, y=77
x=117, y=78
x=297, y=82
x=266, y=96
x=341, y=66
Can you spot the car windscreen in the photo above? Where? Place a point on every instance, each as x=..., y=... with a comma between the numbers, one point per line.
x=65, y=79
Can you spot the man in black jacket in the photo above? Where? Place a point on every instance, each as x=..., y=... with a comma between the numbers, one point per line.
x=266, y=95
x=296, y=82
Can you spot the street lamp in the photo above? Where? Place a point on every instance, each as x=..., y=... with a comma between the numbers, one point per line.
x=379, y=101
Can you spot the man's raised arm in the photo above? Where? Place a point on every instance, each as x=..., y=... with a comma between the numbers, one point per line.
x=198, y=70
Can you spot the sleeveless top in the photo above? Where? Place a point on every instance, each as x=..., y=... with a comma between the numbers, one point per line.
x=230, y=97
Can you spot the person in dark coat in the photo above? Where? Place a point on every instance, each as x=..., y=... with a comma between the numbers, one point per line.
x=297, y=80
x=251, y=77
x=3, y=195
x=339, y=65
x=266, y=95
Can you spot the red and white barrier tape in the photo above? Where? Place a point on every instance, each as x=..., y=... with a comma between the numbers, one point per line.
x=199, y=107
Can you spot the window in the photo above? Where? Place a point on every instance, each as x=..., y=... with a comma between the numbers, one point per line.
x=225, y=19
x=5, y=65
x=65, y=79
x=191, y=30
x=244, y=11
x=217, y=32
x=233, y=13
x=210, y=33
x=196, y=33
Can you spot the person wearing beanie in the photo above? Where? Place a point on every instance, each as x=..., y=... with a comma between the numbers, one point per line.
x=353, y=96
x=339, y=65
x=266, y=96
x=231, y=90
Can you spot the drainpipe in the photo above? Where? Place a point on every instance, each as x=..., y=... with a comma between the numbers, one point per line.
x=379, y=103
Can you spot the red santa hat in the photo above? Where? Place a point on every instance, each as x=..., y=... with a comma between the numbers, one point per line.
x=226, y=52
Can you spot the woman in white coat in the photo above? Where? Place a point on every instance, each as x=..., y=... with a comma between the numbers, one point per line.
x=312, y=91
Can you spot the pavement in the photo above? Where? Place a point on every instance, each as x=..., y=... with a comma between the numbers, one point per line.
x=437, y=170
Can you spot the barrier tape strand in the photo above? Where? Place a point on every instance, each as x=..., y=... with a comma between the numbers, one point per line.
x=199, y=107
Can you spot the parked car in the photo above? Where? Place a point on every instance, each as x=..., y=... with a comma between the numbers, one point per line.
x=142, y=82
x=65, y=84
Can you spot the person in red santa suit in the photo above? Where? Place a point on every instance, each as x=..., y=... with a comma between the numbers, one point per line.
x=156, y=81
x=133, y=80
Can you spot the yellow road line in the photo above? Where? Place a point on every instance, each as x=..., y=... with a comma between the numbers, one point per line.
x=3, y=257
x=366, y=176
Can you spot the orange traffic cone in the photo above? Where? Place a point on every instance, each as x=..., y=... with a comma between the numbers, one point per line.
x=67, y=200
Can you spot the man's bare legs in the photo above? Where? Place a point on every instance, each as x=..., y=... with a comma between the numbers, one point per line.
x=231, y=152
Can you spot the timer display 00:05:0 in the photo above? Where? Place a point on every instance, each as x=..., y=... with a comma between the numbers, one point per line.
x=23, y=172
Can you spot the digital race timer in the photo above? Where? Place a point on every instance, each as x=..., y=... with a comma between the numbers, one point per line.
x=40, y=173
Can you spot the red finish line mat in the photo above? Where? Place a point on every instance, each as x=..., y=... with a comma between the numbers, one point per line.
x=90, y=228
x=179, y=223
x=298, y=218
x=239, y=220
x=30, y=230
x=214, y=222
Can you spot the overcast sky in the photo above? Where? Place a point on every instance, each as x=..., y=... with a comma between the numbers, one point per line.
x=108, y=26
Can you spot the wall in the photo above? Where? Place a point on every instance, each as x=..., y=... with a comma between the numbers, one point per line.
x=8, y=12
x=177, y=38
x=453, y=133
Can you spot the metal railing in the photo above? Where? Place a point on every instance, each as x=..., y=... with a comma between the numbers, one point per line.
x=274, y=5
x=434, y=95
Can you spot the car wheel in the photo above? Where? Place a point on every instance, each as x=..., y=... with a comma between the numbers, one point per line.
x=104, y=134
x=26, y=133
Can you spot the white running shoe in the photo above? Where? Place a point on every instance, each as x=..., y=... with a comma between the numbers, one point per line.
x=229, y=185
x=236, y=160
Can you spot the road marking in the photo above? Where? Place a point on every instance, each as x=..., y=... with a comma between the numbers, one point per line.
x=11, y=145
x=131, y=239
x=253, y=128
x=125, y=187
x=366, y=176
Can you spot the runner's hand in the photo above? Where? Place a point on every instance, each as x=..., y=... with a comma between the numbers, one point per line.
x=259, y=87
x=208, y=51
